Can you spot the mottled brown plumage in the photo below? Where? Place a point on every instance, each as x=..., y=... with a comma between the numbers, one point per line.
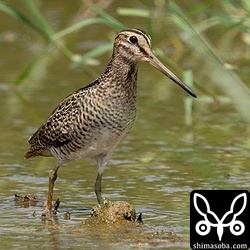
x=93, y=120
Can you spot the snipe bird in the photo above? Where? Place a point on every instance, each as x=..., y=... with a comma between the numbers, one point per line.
x=93, y=120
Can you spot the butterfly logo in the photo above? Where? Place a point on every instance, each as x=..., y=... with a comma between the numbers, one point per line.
x=203, y=227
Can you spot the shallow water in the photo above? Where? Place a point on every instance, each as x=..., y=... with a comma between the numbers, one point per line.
x=155, y=168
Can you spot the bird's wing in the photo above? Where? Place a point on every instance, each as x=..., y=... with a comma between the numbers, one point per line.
x=58, y=128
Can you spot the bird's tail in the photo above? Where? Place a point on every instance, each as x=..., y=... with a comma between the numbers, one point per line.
x=37, y=151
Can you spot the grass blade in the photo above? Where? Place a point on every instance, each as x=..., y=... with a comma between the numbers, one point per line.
x=93, y=53
x=42, y=23
x=223, y=77
x=188, y=100
x=133, y=12
x=111, y=21
x=19, y=16
x=77, y=26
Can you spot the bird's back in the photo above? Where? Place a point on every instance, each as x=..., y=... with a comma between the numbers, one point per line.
x=89, y=122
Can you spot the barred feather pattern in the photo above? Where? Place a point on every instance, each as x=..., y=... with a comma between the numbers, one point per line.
x=92, y=120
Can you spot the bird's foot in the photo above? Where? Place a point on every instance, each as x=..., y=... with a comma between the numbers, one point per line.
x=104, y=201
x=49, y=212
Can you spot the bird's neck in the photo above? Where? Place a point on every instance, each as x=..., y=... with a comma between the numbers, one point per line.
x=122, y=72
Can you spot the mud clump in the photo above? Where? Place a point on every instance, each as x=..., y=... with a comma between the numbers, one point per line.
x=111, y=212
x=116, y=224
x=26, y=200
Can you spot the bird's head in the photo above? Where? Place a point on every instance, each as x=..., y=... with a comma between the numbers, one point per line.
x=133, y=45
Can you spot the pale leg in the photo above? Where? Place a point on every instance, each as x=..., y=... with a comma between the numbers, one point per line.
x=52, y=179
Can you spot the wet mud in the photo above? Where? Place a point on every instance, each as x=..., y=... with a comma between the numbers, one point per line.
x=111, y=224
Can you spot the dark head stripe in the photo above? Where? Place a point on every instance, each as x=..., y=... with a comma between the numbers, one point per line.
x=142, y=33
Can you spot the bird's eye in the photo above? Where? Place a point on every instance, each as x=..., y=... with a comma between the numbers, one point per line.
x=133, y=39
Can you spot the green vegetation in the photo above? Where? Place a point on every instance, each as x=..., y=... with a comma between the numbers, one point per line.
x=193, y=26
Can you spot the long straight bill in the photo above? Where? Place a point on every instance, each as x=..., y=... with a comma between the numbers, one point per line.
x=153, y=60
